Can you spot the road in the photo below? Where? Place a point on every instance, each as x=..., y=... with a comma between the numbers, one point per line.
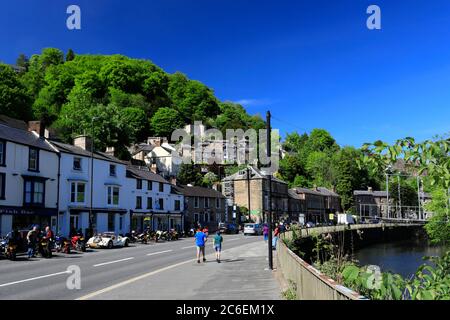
x=103, y=270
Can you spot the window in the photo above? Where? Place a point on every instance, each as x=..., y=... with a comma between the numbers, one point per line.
x=218, y=217
x=34, y=193
x=160, y=204
x=33, y=159
x=112, y=170
x=138, y=202
x=206, y=202
x=196, y=218
x=161, y=187
x=149, y=203
x=138, y=184
x=177, y=205
x=2, y=186
x=113, y=195
x=206, y=219
x=196, y=201
x=111, y=224
x=77, y=192
x=77, y=164
x=2, y=152
x=149, y=185
x=218, y=204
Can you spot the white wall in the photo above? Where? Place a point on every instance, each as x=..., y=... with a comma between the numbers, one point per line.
x=16, y=166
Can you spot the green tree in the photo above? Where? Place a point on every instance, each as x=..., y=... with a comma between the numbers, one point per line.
x=135, y=123
x=23, y=62
x=438, y=227
x=70, y=55
x=190, y=174
x=14, y=100
x=209, y=179
x=165, y=121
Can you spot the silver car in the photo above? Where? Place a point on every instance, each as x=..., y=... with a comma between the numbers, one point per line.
x=253, y=229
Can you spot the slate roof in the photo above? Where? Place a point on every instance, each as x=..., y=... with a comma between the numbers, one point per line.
x=189, y=191
x=327, y=192
x=24, y=137
x=255, y=174
x=383, y=194
x=307, y=191
x=144, y=174
x=68, y=148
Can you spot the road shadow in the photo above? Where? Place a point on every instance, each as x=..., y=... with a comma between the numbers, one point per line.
x=231, y=260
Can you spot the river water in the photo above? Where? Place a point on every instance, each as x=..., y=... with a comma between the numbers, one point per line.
x=401, y=257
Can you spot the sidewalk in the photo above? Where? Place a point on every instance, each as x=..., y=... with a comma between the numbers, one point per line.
x=240, y=276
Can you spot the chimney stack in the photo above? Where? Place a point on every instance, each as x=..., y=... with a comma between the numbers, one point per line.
x=173, y=180
x=83, y=142
x=38, y=127
x=370, y=189
x=154, y=168
x=110, y=151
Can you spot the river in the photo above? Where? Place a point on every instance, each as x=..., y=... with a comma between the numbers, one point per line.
x=401, y=257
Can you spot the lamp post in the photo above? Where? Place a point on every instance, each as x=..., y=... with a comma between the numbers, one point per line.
x=91, y=213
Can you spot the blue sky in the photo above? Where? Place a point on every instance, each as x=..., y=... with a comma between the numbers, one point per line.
x=313, y=63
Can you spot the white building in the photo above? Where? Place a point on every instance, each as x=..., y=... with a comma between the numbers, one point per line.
x=153, y=201
x=109, y=211
x=161, y=155
x=29, y=168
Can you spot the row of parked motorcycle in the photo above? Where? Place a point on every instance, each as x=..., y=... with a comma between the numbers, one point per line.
x=10, y=246
x=149, y=235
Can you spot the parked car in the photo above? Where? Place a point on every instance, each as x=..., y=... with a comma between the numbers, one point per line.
x=310, y=224
x=108, y=240
x=228, y=228
x=252, y=228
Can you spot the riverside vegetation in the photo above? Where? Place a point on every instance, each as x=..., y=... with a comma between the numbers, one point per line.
x=430, y=282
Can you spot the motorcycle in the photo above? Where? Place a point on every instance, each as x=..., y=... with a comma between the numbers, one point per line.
x=143, y=237
x=45, y=248
x=9, y=249
x=78, y=243
x=173, y=235
x=62, y=244
x=191, y=232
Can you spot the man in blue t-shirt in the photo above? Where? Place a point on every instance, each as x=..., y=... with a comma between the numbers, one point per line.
x=200, y=239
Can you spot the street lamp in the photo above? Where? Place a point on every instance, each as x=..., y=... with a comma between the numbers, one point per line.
x=91, y=213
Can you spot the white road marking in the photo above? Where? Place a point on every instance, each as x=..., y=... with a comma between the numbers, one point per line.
x=35, y=278
x=121, y=284
x=233, y=239
x=110, y=262
x=154, y=253
x=188, y=247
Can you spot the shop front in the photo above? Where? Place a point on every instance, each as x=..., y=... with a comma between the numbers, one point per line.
x=23, y=218
x=167, y=221
x=141, y=221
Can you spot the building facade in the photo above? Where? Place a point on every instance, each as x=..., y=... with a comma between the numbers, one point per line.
x=108, y=210
x=154, y=203
x=203, y=206
x=249, y=188
x=29, y=168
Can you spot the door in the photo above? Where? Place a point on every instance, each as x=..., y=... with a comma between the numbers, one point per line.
x=74, y=222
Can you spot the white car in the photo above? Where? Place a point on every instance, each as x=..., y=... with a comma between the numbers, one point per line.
x=252, y=228
x=108, y=240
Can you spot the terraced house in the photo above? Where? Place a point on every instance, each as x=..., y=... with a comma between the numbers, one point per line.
x=29, y=168
x=203, y=206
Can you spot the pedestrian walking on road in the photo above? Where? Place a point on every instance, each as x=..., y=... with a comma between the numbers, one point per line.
x=200, y=239
x=217, y=243
x=32, y=240
x=266, y=232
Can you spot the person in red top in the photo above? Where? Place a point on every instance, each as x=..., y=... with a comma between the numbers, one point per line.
x=48, y=234
x=205, y=231
x=275, y=237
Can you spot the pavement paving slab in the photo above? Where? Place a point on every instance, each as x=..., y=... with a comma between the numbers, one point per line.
x=242, y=275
